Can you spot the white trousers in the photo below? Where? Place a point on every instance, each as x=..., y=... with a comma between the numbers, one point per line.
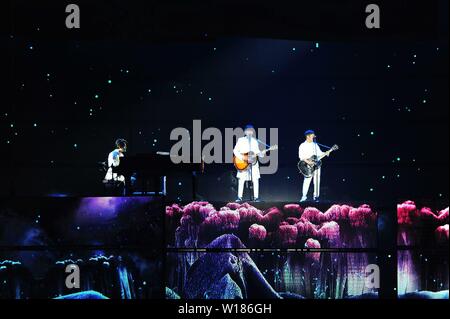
x=316, y=182
x=241, y=184
x=113, y=176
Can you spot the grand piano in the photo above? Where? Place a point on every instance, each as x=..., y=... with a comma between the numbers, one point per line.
x=150, y=170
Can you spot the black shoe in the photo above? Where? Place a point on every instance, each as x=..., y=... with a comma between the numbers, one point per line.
x=238, y=200
x=316, y=200
x=257, y=200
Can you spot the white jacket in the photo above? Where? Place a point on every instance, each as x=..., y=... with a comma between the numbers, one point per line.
x=244, y=145
x=114, y=160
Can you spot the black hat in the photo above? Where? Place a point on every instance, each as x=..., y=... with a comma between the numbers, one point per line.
x=308, y=132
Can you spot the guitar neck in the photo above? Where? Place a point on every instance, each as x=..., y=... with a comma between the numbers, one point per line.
x=325, y=154
x=266, y=150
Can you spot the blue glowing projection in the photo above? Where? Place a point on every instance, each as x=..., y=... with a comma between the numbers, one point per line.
x=97, y=234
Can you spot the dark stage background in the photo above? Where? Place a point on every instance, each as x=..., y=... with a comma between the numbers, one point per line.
x=385, y=103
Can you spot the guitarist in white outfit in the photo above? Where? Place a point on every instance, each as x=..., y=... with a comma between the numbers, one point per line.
x=306, y=150
x=244, y=145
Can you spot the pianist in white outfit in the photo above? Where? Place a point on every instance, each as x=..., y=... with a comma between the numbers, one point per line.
x=114, y=161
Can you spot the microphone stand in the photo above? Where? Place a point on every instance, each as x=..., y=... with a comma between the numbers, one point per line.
x=251, y=165
x=325, y=146
x=251, y=168
x=261, y=142
x=315, y=153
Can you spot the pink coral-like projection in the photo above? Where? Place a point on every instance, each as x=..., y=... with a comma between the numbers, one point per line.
x=293, y=210
x=441, y=234
x=222, y=220
x=423, y=226
x=406, y=213
x=257, y=232
x=287, y=235
x=198, y=223
x=313, y=244
x=361, y=217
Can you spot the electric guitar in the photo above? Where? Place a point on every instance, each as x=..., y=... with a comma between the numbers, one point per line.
x=249, y=158
x=308, y=169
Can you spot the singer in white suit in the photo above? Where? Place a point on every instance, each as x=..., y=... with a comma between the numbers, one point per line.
x=245, y=144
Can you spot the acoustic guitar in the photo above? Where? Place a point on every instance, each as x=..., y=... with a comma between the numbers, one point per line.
x=249, y=158
x=308, y=169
